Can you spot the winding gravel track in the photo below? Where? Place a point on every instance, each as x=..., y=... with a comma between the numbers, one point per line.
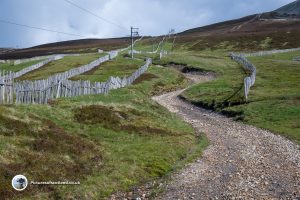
x=242, y=161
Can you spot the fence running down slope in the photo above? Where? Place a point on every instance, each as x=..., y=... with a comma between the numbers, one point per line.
x=41, y=92
x=58, y=85
x=38, y=91
x=75, y=71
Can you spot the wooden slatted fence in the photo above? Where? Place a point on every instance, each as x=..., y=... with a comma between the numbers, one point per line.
x=41, y=92
x=58, y=85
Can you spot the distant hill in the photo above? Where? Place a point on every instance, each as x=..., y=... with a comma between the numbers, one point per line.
x=72, y=46
x=6, y=50
x=289, y=10
x=278, y=29
x=282, y=18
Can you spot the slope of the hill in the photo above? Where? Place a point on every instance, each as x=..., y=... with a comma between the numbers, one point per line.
x=248, y=33
x=256, y=22
x=271, y=30
x=73, y=46
x=6, y=50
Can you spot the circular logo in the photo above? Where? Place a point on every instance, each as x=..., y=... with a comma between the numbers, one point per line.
x=19, y=182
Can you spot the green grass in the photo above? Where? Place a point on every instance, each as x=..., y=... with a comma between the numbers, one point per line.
x=273, y=100
x=16, y=68
x=118, y=67
x=59, y=66
x=108, y=143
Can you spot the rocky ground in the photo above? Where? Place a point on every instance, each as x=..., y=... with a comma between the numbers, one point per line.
x=242, y=161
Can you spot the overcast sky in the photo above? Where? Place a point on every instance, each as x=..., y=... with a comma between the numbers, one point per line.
x=153, y=17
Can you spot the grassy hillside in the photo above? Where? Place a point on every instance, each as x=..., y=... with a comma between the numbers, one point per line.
x=241, y=42
x=59, y=66
x=108, y=143
x=118, y=67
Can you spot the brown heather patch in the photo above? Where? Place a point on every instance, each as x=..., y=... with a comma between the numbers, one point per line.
x=118, y=120
x=52, y=102
x=13, y=126
x=97, y=114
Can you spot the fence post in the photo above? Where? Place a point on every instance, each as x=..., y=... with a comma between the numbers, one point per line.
x=58, y=90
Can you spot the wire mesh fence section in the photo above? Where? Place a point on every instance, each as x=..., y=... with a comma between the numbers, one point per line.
x=242, y=59
x=249, y=80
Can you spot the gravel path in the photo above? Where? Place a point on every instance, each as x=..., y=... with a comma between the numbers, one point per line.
x=242, y=161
